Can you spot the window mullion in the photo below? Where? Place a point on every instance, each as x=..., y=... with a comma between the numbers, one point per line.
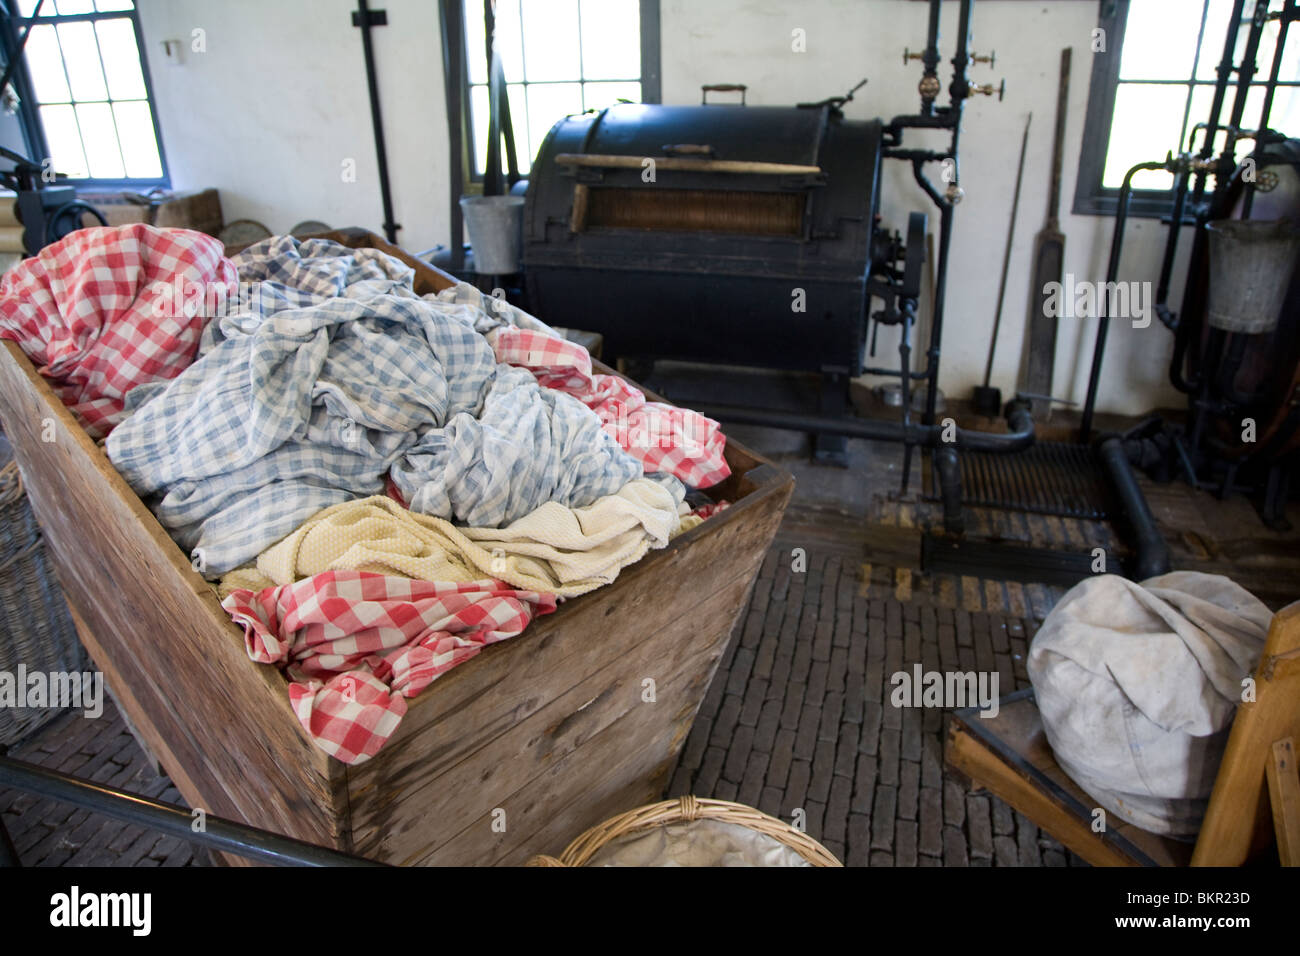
x=72, y=101
x=108, y=98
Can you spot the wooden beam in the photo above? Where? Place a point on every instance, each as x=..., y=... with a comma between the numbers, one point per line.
x=1284, y=796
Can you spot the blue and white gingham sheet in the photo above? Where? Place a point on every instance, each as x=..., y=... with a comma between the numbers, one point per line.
x=342, y=374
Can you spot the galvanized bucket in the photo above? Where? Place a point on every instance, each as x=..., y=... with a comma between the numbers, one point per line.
x=496, y=231
x=1250, y=272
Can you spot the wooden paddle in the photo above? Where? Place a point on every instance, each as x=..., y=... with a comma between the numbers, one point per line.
x=1049, y=258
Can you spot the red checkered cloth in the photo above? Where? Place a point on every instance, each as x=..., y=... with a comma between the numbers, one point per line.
x=99, y=312
x=356, y=645
x=709, y=510
x=662, y=437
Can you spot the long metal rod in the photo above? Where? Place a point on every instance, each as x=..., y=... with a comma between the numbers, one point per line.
x=218, y=833
x=1006, y=252
x=453, y=49
x=377, y=120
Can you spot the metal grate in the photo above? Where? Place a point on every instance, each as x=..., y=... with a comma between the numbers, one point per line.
x=1048, y=478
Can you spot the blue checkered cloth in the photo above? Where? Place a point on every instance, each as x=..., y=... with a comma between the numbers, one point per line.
x=340, y=375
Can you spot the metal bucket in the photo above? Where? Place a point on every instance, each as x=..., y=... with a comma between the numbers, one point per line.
x=1250, y=271
x=496, y=232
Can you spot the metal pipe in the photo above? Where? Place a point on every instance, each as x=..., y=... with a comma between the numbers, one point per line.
x=1171, y=242
x=948, y=466
x=218, y=833
x=377, y=119
x=1223, y=72
x=1019, y=421
x=905, y=389
x=1245, y=73
x=960, y=87
x=1270, y=88
x=1152, y=554
x=930, y=58
x=1112, y=270
x=1285, y=16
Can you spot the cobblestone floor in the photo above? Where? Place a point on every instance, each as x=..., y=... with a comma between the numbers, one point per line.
x=798, y=716
x=49, y=833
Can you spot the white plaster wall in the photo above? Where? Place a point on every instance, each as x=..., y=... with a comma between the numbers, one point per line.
x=277, y=103
x=269, y=113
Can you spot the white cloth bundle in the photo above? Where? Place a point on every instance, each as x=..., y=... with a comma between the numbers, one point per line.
x=1137, y=685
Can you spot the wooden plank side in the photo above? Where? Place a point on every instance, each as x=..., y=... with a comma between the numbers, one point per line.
x=566, y=798
x=1237, y=825
x=680, y=659
x=507, y=683
x=640, y=600
x=1284, y=797
x=221, y=724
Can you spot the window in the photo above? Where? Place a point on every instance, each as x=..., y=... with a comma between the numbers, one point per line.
x=1155, y=83
x=85, y=90
x=559, y=57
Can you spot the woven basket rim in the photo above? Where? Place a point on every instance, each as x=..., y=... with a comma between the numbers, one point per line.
x=685, y=810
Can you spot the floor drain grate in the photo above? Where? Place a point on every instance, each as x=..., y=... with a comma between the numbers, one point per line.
x=1048, y=478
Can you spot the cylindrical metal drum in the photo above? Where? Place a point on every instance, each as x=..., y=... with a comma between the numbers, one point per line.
x=742, y=235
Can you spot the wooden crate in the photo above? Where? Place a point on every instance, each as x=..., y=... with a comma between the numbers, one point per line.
x=195, y=209
x=549, y=732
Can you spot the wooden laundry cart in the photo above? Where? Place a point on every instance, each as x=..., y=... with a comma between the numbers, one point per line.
x=1009, y=755
x=504, y=757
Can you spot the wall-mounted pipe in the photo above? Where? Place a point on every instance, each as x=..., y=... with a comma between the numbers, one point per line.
x=1112, y=270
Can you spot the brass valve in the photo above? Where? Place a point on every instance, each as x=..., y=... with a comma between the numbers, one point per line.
x=929, y=86
x=908, y=55
x=991, y=59
x=989, y=89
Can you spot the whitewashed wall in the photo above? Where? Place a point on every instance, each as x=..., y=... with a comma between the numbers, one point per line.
x=277, y=103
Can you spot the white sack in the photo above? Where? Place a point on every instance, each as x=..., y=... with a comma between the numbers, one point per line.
x=1137, y=685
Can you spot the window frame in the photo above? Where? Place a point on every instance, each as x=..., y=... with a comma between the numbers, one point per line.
x=651, y=86
x=1091, y=198
x=29, y=108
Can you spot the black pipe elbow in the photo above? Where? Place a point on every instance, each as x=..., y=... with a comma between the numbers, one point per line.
x=1151, y=557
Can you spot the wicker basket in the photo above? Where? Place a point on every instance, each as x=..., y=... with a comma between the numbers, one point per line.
x=685, y=810
x=36, y=629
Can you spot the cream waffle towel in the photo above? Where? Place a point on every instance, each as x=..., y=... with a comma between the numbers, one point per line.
x=554, y=549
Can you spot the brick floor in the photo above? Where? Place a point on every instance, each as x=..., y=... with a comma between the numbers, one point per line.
x=51, y=833
x=799, y=719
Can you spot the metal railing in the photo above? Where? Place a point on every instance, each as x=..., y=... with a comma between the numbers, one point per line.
x=216, y=833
